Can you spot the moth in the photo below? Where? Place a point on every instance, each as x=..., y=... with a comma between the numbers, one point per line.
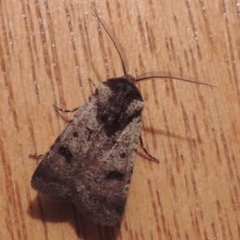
x=91, y=162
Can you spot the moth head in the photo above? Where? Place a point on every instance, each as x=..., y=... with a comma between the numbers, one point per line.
x=109, y=91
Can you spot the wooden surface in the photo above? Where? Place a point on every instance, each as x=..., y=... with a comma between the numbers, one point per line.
x=48, y=52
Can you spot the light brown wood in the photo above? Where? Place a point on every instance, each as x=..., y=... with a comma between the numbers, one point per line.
x=48, y=52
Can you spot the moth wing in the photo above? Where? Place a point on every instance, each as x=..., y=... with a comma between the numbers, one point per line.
x=54, y=174
x=89, y=168
x=104, y=198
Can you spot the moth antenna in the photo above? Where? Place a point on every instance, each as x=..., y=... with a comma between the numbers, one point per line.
x=172, y=77
x=117, y=45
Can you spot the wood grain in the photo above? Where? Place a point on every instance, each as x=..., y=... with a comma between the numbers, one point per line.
x=48, y=52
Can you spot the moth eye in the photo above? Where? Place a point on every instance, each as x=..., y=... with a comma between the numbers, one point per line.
x=64, y=151
x=115, y=175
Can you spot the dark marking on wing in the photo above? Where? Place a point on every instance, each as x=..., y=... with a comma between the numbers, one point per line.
x=64, y=151
x=115, y=175
x=122, y=155
x=75, y=134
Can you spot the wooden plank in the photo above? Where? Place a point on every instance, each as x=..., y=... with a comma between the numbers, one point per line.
x=48, y=52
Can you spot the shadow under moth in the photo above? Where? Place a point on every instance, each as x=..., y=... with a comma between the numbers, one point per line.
x=91, y=162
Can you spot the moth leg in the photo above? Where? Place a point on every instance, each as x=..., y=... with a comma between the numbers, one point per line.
x=57, y=109
x=151, y=157
x=92, y=82
x=36, y=157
